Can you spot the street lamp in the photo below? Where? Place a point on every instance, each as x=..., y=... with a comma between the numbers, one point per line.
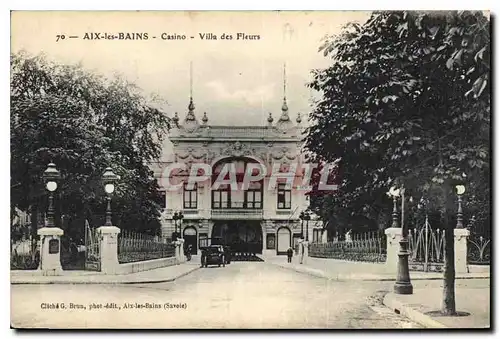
x=394, y=193
x=403, y=284
x=180, y=216
x=301, y=217
x=175, y=217
x=423, y=203
x=460, y=190
x=50, y=177
x=108, y=179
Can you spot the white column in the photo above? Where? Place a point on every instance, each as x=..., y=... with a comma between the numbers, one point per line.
x=306, y=251
x=461, y=235
x=301, y=252
x=324, y=236
x=50, y=250
x=393, y=237
x=179, y=251
x=108, y=247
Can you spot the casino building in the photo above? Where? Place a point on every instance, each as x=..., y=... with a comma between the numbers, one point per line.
x=256, y=219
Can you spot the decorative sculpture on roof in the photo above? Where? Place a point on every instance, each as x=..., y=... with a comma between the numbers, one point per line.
x=237, y=149
x=175, y=119
x=284, y=123
x=270, y=119
x=190, y=122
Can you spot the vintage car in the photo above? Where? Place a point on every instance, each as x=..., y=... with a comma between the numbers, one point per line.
x=213, y=255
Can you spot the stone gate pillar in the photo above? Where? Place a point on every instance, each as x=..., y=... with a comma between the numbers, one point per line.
x=50, y=250
x=108, y=248
x=306, y=251
x=461, y=235
x=179, y=250
x=394, y=235
x=301, y=251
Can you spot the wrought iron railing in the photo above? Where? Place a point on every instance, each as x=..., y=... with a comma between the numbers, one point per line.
x=427, y=248
x=133, y=247
x=370, y=247
x=92, y=248
x=25, y=254
x=478, y=250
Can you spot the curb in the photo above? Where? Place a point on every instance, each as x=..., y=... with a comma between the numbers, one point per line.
x=410, y=313
x=322, y=274
x=101, y=282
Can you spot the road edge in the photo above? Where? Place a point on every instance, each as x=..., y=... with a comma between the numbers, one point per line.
x=322, y=274
x=102, y=282
x=398, y=307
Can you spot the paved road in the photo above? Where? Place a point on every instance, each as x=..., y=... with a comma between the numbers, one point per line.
x=241, y=295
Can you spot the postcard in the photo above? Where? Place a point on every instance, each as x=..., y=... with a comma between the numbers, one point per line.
x=250, y=169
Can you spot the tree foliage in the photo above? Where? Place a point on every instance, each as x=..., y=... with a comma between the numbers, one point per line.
x=405, y=101
x=83, y=122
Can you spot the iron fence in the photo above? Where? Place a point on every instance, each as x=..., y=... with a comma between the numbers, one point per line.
x=133, y=247
x=368, y=247
x=478, y=250
x=92, y=248
x=25, y=254
x=427, y=248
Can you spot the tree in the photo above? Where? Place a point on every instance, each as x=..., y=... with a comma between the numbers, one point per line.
x=83, y=123
x=404, y=103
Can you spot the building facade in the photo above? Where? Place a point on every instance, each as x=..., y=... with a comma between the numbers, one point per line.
x=258, y=218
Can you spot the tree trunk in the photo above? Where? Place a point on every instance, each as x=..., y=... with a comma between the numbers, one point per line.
x=448, y=307
x=34, y=228
x=12, y=216
x=34, y=219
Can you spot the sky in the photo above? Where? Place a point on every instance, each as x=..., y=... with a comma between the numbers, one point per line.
x=236, y=82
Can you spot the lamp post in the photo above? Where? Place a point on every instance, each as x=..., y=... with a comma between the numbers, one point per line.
x=180, y=216
x=394, y=193
x=460, y=190
x=403, y=284
x=109, y=178
x=50, y=177
x=307, y=217
x=423, y=203
x=301, y=217
x=175, y=217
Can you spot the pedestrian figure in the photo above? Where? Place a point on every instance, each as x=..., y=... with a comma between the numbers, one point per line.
x=289, y=254
x=188, y=252
x=203, y=257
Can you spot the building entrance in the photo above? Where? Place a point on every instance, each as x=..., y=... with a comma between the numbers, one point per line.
x=190, y=238
x=243, y=236
x=284, y=240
